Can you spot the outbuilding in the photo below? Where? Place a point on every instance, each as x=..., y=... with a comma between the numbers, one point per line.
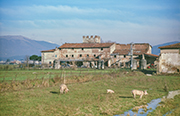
x=169, y=59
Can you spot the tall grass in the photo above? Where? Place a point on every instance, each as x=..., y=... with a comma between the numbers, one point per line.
x=17, y=80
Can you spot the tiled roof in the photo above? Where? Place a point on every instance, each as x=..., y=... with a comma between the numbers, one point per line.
x=86, y=45
x=52, y=50
x=153, y=55
x=177, y=45
x=138, y=48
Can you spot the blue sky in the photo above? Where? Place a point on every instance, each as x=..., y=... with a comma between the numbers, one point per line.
x=121, y=21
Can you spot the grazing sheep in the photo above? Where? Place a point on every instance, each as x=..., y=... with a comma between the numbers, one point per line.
x=63, y=88
x=110, y=91
x=138, y=92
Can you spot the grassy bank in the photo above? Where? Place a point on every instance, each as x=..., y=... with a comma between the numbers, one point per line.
x=170, y=107
x=87, y=95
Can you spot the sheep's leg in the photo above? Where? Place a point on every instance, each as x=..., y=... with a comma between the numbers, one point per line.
x=141, y=96
x=61, y=91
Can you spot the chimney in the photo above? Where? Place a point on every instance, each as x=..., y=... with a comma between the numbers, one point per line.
x=84, y=39
x=91, y=36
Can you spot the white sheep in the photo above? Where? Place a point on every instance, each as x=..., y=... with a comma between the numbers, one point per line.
x=138, y=92
x=110, y=91
x=63, y=88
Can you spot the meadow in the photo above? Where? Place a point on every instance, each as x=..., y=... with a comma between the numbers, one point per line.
x=36, y=92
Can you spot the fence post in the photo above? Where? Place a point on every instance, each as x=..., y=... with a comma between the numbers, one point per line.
x=49, y=77
x=15, y=76
x=64, y=79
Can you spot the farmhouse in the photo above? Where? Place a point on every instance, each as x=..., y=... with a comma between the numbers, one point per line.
x=169, y=59
x=92, y=53
x=142, y=56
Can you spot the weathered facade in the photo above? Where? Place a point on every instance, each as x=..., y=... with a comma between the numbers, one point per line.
x=169, y=59
x=93, y=53
x=90, y=53
x=142, y=56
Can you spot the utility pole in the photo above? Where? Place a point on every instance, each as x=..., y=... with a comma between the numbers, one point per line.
x=131, y=53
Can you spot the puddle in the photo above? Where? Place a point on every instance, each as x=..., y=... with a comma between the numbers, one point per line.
x=151, y=106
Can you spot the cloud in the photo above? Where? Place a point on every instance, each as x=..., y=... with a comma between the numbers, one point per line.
x=66, y=23
x=72, y=30
x=39, y=9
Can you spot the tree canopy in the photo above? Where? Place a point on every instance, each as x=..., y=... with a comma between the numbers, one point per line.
x=33, y=57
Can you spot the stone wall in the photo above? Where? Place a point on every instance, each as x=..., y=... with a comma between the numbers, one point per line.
x=169, y=61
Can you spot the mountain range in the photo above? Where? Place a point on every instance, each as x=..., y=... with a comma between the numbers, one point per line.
x=17, y=47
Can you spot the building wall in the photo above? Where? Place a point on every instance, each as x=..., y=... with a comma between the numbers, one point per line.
x=82, y=53
x=57, y=53
x=169, y=60
x=78, y=54
x=150, y=50
x=47, y=57
x=112, y=48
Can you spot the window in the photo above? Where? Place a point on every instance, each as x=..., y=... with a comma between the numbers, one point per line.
x=66, y=56
x=82, y=48
x=59, y=48
x=94, y=55
x=49, y=62
x=114, y=56
x=124, y=56
x=80, y=55
x=72, y=55
x=87, y=55
x=101, y=48
x=72, y=48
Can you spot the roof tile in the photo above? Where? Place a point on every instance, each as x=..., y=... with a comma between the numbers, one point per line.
x=177, y=45
x=138, y=48
x=52, y=50
x=85, y=45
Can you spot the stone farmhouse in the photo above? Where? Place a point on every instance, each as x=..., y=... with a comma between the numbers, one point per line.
x=92, y=53
x=169, y=59
x=142, y=56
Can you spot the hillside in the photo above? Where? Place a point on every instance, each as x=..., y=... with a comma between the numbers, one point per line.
x=156, y=50
x=17, y=47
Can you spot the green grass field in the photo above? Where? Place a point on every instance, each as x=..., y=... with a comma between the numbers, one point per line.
x=87, y=95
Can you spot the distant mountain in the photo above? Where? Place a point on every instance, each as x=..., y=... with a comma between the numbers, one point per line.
x=156, y=50
x=17, y=47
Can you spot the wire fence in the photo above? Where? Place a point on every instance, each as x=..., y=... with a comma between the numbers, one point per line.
x=25, y=79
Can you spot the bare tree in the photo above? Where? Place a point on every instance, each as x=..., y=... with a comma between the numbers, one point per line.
x=27, y=61
x=109, y=41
